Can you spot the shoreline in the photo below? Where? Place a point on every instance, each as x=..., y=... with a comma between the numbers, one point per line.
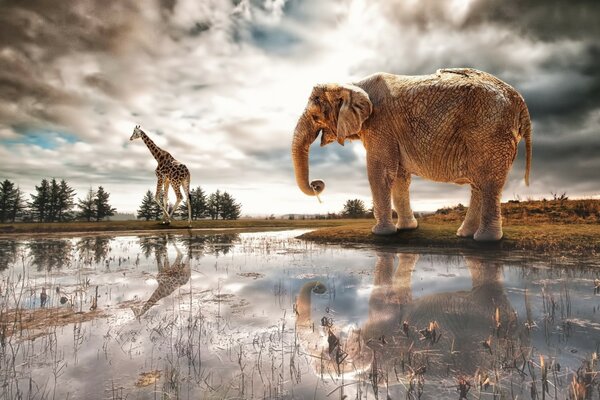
x=562, y=240
x=545, y=239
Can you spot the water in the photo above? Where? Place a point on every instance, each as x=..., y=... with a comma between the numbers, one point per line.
x=264, y=315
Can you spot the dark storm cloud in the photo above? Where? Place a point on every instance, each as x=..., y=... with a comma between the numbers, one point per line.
x=567, y=84
x=544, y=20
x=35, y=35
x=548, y=51
x=561, y=106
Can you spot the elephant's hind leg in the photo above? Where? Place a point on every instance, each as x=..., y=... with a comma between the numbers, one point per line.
x=490, y=227
x=401, y=200
x=472, y=219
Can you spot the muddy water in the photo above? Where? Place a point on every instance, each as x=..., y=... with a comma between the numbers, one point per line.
x=264, y=315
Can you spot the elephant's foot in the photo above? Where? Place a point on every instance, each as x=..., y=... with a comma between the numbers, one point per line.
x=488, y=235
x=467, y=230
x=386, y=228
x=407, y=223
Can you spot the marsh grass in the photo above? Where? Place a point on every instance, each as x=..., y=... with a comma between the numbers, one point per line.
x=198, y=342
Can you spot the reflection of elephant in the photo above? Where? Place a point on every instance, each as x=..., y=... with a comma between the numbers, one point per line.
x=170, y=277
x=458, y=125
x=454, y=333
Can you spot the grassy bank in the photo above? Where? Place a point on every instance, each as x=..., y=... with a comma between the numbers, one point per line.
x=550, y=238
x=569, y=227
x=562, y=227
x=239, y=225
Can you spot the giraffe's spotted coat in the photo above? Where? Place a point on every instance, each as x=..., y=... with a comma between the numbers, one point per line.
x=168, y=172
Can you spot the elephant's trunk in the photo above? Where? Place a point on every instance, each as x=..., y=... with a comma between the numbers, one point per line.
x=304, y=135
x=303, y=302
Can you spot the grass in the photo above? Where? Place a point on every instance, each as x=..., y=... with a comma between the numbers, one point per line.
x=548, y=226
x=558, y=211
x=240, y=225
x=565, y=227
x=547, y=238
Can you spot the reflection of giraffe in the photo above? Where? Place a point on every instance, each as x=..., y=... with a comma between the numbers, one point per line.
x=169, y=171
x=169, y=278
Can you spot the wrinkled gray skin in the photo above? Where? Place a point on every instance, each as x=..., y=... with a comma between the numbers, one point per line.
x=465, y=319
x=458, y=125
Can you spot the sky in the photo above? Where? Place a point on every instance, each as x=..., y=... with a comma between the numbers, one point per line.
x=220, y=85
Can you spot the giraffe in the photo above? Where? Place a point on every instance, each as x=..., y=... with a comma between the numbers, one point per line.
x=169, y=171
x=169, y=278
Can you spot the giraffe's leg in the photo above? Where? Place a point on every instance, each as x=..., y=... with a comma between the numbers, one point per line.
x=158, y=197
x=177, y=190
x=186, y=189
x=167, y=217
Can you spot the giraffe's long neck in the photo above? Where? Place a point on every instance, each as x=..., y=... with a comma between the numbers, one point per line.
x=156, y=151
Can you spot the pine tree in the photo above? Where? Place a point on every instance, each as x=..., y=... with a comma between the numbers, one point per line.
x=65, y=202
x=229, y=208
x=40, y=202
x=354, y=208
x=87, y=206
x=199, y=204
x=103, y=208
x=215, y=204
x=53, y=206
x=7, y=198
x=18, y=206
x=149, y=210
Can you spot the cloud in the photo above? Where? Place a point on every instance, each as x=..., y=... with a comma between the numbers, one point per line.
x=221, y=84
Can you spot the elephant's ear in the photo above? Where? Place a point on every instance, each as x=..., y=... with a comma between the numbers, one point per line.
x=356, y=108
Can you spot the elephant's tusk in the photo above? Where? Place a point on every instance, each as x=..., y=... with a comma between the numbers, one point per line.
x=317, y=195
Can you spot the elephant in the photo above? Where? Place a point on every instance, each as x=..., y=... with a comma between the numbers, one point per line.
x=458, y=125
x=459, y=334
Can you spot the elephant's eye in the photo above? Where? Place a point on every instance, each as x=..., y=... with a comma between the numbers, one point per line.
x=315, y=117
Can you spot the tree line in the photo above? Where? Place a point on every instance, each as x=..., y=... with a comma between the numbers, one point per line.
x=214, y=206
x=52, y=201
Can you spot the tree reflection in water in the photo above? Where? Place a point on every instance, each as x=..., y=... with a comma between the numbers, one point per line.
x=9, y=250
x=93, y=249
x=50, y=254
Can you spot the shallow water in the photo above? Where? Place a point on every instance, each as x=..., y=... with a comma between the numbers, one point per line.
x=263, y=315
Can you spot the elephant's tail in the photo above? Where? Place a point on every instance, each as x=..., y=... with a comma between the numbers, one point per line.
x=525, y=131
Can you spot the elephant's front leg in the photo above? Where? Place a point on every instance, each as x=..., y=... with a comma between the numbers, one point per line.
x=400, y=197
x=381, y=179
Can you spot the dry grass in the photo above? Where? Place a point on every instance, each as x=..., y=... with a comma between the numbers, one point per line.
x=28, y=323
x=240, y=225
x=148, y=378
x=585, y=211
x=546, y=238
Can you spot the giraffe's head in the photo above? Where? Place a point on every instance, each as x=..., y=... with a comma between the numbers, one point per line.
x=137, y=133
